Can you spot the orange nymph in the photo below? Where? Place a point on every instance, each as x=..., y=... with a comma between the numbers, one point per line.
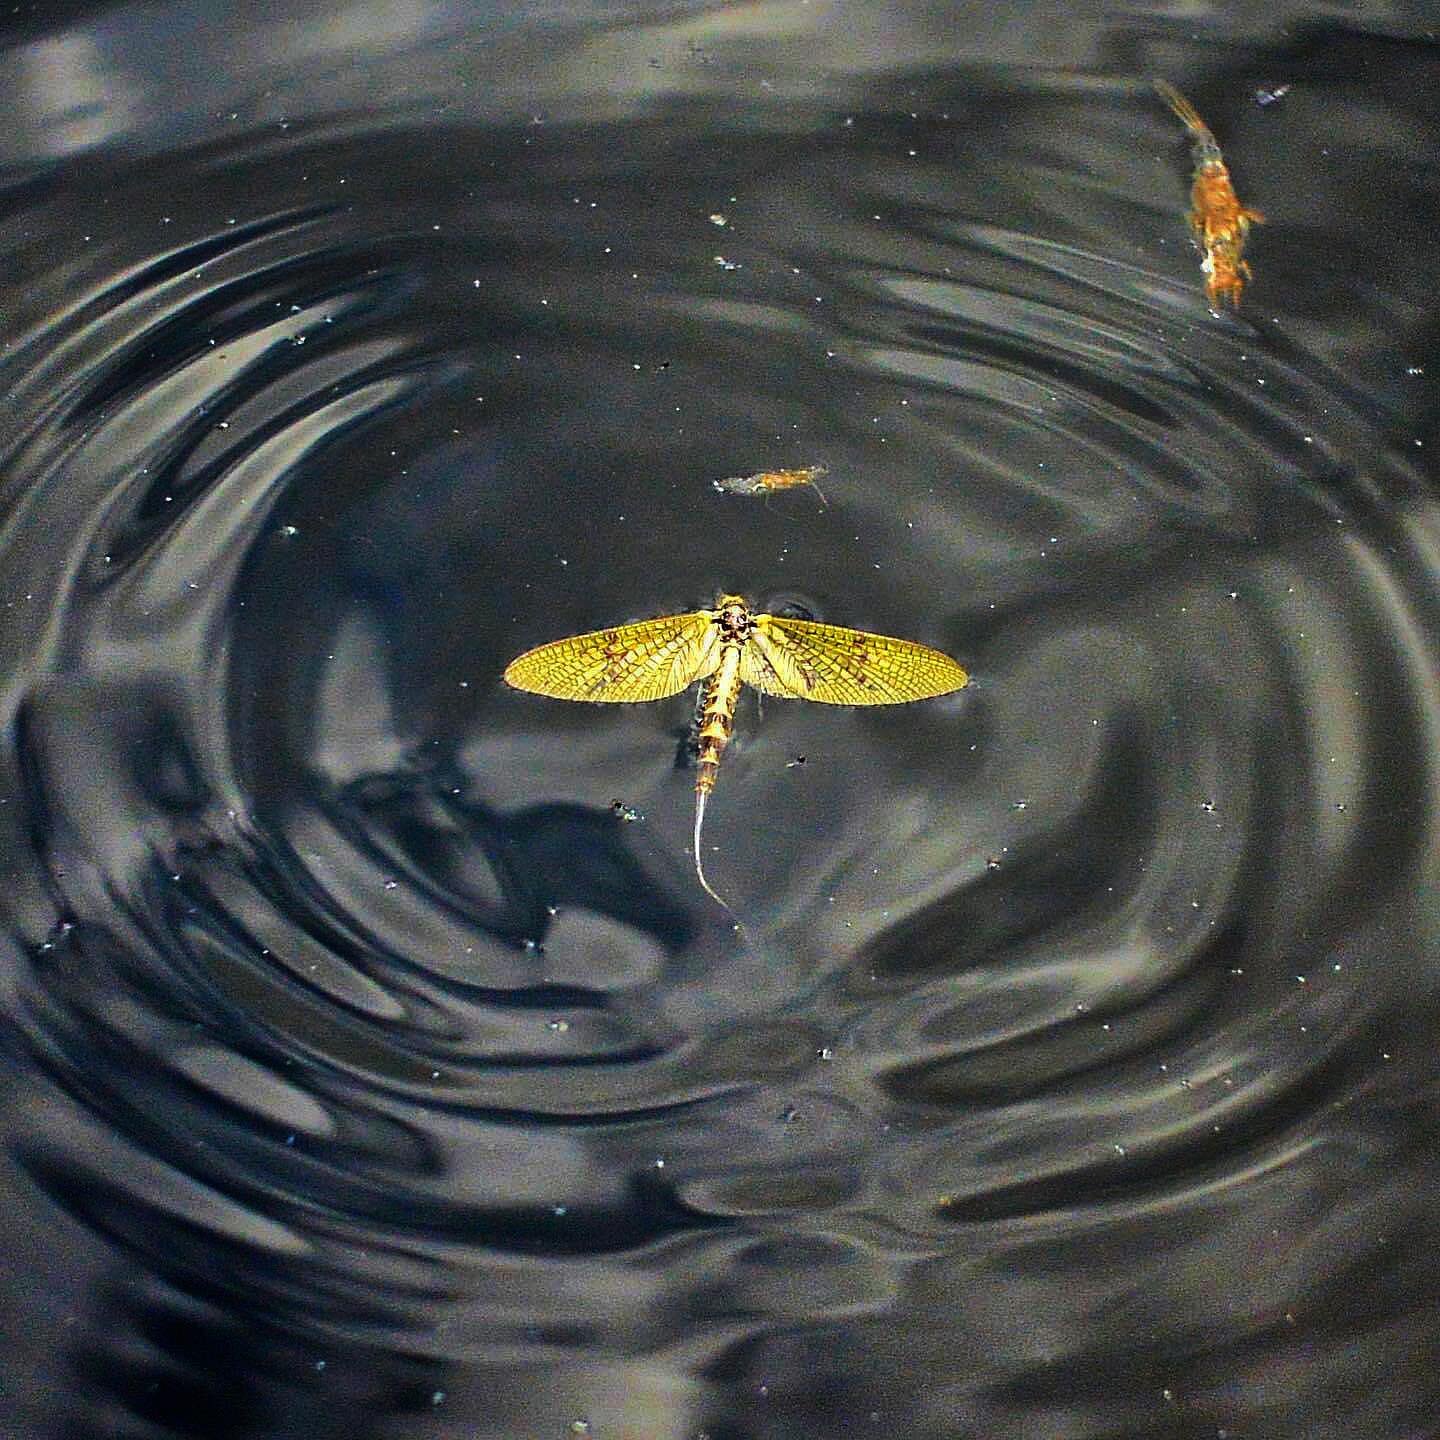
x=1217, y=218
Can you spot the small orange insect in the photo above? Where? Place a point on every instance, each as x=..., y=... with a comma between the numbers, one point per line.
x=766, y=482
x=1219, y=220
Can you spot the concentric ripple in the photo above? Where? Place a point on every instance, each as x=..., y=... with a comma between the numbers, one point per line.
x=377, y=1067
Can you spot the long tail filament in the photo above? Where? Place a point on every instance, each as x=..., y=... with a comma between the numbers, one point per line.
x=700, y=798
x=1181, y=106
x=1206, y=146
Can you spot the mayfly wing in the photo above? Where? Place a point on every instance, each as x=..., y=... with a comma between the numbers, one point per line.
x=626, y=663
x=805, y=660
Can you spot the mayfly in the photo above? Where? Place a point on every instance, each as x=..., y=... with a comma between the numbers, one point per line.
x=1217, y=217
x=730, y=647
x=766, y=482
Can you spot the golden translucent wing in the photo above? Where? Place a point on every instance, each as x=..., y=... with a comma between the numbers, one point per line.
x=626, y=663
x=804, y=660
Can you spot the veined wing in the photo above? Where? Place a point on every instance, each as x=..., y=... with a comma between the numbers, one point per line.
x=644, y=661
x=804, y=660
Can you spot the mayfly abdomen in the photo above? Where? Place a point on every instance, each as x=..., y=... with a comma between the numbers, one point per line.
x=717, y=720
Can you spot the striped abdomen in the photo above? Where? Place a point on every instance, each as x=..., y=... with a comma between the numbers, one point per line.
x=717, y=717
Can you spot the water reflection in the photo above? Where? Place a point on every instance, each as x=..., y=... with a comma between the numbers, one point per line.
x=369, y=1073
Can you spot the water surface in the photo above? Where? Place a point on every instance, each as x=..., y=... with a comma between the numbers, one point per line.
x=367, y=1074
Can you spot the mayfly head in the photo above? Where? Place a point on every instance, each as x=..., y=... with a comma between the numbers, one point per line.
x=733, y=617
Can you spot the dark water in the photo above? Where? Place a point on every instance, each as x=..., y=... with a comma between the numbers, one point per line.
x=1074, y=1071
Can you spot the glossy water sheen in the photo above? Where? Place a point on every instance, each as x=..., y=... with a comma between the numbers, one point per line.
x=1072, y=1074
